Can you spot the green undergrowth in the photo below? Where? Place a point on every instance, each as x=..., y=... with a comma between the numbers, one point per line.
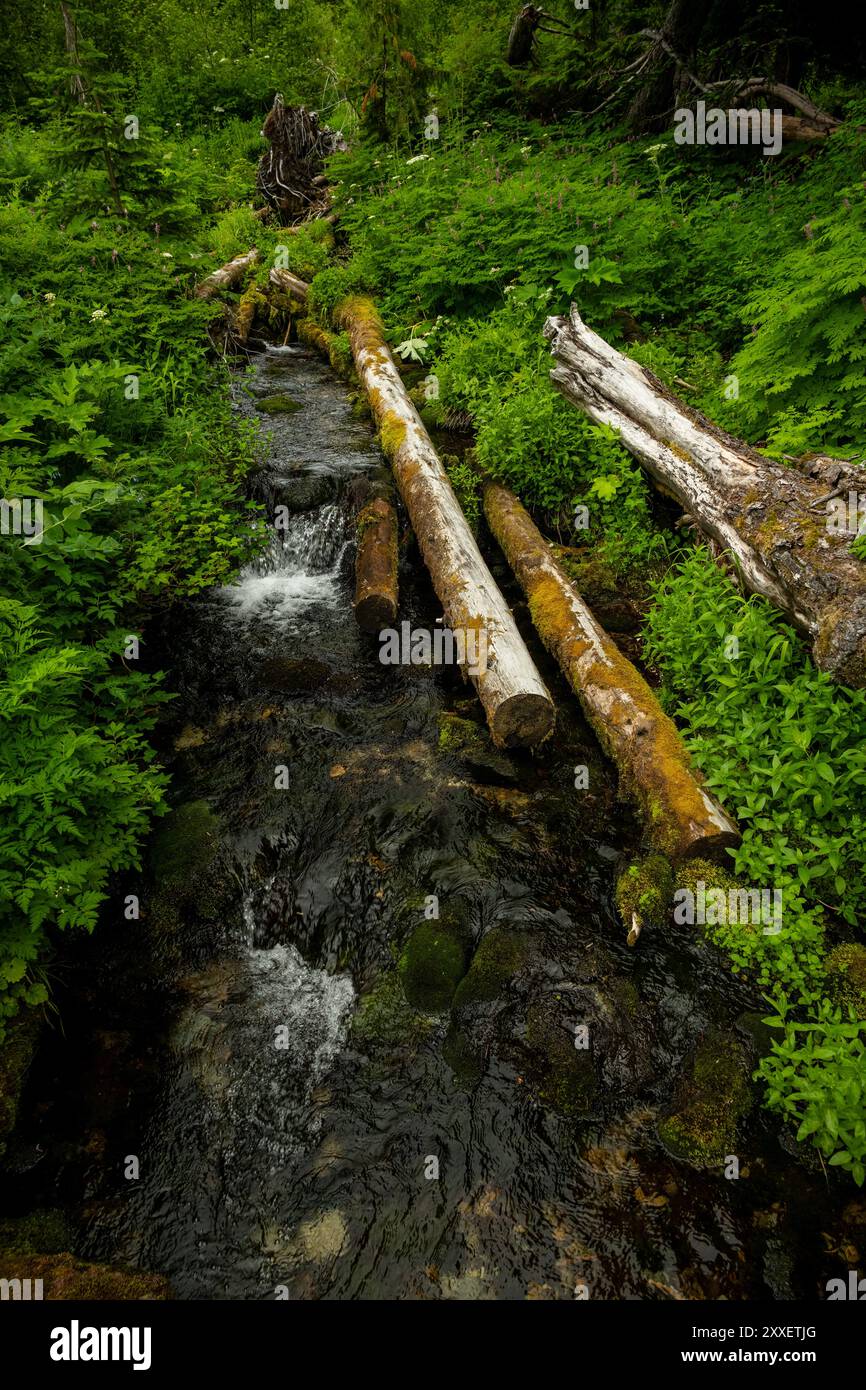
x=785, y=750
x=113, y=419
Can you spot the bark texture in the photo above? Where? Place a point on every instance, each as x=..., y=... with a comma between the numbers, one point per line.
x=228, y=275
x=771, y=519
x=656, y=772
x=376, y=594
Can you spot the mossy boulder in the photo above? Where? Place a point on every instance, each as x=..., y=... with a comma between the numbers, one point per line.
x=45, y=1232
x=564, y=1075
x=711, y=1100
x=644, y=890
x=16, y=1054
x=65, y=1277
x=433, y=963
x=845, y=968
x=185, y=842
x=384, y=1017
x=480, y=998
x=278, y=405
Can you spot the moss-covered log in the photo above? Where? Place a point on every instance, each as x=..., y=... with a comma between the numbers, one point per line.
x=228, y=275
x=518, y=706
x=655, y=769
x=376, y=597
x=772, y=520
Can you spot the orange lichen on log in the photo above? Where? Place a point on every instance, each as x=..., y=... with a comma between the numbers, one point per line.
x=656, y=772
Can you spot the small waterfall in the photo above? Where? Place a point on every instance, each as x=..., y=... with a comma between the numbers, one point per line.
x=301, y=568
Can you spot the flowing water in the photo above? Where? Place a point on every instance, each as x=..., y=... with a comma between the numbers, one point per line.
x=297, y=1128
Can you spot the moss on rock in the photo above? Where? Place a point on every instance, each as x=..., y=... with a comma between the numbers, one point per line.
x=278, y=405
x=845, y=967
x=45, y=1231
x=711, y=1100
x=65, y=1277
x=471, y=744
x=185, y=842
x=385, y=1016
x=433, y=963
x=644, y=890
x=565, y=1077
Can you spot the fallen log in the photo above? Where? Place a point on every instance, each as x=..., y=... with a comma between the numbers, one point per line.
x=655, y=769
x=518, y=706
x=227, y=276
x=767, y=516
x=376, y=595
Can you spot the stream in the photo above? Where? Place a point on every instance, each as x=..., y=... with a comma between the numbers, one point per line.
x=298, y=1129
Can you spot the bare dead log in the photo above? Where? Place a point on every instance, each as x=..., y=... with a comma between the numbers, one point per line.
x=518, y=706
x=227, y=276
x=656, y=772
x=812, y=119
x=765, y=515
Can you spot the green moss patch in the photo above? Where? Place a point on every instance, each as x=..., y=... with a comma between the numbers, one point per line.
x=711, y=1100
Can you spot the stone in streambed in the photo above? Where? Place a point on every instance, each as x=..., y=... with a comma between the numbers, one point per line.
x=278, y=405
x=434, y=961
x=302, y=493
x=305, y=676
x=711, y=1099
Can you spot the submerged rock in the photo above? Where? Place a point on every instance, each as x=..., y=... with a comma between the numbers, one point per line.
x=471, y=744
x=565, y=1074
x=480, y=998
x=433, y=962
x=302, y=493
x=278, y=405
x=710, y=1102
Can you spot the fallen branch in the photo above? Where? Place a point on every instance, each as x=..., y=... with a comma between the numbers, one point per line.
x=759, y=511
x=680, y=816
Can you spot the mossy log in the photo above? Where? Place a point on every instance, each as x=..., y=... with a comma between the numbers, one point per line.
x=655, y=770
x=771, y=519
x=518, y=706
x=228, y=275
x=376, y=598
x=291, y=285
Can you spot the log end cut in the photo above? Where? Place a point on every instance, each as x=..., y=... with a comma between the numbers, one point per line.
x=523, y=721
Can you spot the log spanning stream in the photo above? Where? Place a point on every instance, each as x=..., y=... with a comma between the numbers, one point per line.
x=299, y=1130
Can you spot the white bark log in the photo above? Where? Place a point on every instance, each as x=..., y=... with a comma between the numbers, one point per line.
x=518, y=706
x=228, y=275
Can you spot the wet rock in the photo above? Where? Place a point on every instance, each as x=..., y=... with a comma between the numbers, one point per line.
x=323, y=1237
x=564, y=1075
x=471, y=745
x=278, y=405
x=434, y=961
x=300, y=677
x=846, y=976
x=385, y=1017
x=65, y=1277
x=479, y=1000
x=302, y=493
x=711, y=1100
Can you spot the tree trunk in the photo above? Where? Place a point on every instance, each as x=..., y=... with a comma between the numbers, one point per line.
x=773, y=520
x=653, y=104
x=655, y=770
x=227, y=276
x=518, y=706
x=521, y=39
